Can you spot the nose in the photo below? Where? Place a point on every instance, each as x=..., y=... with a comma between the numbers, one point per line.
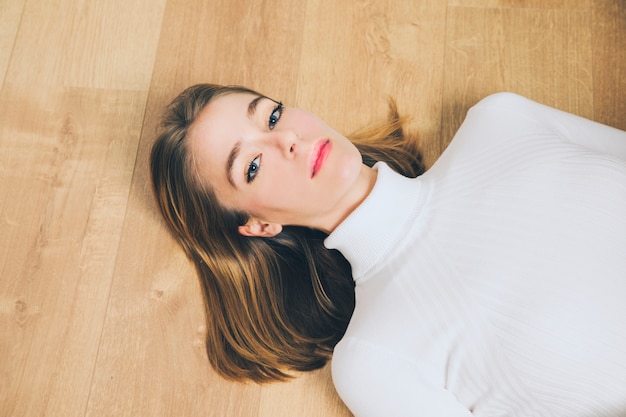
x=287, y=142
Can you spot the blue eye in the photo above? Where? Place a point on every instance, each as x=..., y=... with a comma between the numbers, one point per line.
x=275, y=116
x=253, y=169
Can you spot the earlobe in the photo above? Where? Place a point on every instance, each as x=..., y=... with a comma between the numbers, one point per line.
x=256, y=228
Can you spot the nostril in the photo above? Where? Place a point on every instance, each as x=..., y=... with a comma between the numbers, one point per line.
x=291, y=149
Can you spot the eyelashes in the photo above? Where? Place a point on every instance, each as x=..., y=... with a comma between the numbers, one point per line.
x=255, y=165
x=253, y=169
x=275, y=115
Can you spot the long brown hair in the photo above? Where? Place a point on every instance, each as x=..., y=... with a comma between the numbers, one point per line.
x=273, y=305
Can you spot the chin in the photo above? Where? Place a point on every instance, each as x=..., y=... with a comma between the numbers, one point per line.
x=349, y=171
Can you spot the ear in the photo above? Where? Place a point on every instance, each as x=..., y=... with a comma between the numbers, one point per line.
x=257, y=228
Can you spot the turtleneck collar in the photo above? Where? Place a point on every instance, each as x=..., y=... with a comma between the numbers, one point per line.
x=372, y=231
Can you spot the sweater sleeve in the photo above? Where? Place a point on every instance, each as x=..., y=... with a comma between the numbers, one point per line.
x=375, y=383
x=584, y=132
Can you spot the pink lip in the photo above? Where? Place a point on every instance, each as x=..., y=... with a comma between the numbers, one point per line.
x=320, y=152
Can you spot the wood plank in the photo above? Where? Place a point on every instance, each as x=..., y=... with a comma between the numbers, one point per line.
x=82, y=43
x=250, y=43
x=609, y=62
x=10, y=16
x=391, y=49
x=311, y=395
x=524, y=4
x=542, y=54
x=152, y=359
x=66, y=165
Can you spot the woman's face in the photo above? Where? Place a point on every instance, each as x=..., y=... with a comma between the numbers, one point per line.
x=280, y=165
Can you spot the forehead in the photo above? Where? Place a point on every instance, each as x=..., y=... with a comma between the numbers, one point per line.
x=220, y=117
x=223, y=110
x=218, y=126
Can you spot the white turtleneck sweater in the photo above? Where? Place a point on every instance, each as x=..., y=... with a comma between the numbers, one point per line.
x=495, y=283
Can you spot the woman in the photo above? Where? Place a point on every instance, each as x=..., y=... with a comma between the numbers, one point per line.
x=491, y=285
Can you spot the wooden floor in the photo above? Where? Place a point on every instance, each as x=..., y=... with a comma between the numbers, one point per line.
x=100, y=314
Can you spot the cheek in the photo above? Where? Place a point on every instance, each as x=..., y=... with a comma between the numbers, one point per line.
x=264, y=200
x=308, y=122
x=351, y=164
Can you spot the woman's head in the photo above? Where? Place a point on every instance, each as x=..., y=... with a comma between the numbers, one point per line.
x=279, y=165
x=272, y=304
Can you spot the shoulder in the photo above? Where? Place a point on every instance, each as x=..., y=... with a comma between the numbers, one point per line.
x=501, y=115
x=375, y=381
x=351, y=354
x=367, y=377
x=512, y=115
x=502, y=99
x=497, y=127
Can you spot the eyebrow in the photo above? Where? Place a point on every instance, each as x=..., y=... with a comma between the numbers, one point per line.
x=234, y=153
x=253, y=104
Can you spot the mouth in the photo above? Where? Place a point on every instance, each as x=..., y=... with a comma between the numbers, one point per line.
x=320, y=152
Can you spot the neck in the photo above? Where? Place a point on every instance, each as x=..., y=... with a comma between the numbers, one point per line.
x=362, y=188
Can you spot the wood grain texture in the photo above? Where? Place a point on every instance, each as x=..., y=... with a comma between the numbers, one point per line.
x=100, y=312
x=395, y=51
x=524, y=4
x=544, y=55
x=66, y=166
x=609, y=62
x=82, y=43
x=10, y=17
